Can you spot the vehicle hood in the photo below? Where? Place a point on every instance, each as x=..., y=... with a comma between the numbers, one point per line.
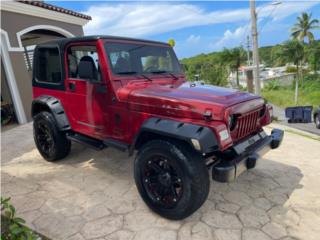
x=185, y=99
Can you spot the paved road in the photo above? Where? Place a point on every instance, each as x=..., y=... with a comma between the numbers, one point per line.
x=91, y=195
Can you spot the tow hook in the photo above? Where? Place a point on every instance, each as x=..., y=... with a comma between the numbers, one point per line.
x=252, y=161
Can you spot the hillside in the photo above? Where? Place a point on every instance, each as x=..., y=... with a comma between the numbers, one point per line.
x=215, y=67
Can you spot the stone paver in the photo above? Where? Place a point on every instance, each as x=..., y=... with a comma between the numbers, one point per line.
x=252, y=216
x=254, y=234
x=274, y=230
x=218, y=219
x=91, y=195
x=102, y=227
x=227, y=234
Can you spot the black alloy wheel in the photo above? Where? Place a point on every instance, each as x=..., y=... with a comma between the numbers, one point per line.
x=51, y=143
x=171, y=177
x=44, y=138
x=163, y=181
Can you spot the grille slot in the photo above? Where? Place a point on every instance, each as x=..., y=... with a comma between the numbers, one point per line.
x=246, y=124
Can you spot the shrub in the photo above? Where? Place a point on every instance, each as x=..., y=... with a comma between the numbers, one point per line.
x=12, y=227
x=291, y=69
x=272, y=85
x=214, y=74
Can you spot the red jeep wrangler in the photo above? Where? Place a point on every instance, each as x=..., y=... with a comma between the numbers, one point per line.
x=131, y=94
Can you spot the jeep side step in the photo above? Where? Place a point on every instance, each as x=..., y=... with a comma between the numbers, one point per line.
x=97, y=144
x=116, y=144
x=88, y=141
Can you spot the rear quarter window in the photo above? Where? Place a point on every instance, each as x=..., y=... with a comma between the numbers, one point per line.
x=48, y=65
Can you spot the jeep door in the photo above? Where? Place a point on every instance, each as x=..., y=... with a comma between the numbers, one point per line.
x=87, y=92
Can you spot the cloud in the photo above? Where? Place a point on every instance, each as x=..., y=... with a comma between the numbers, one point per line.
x=146, y=19
x=232, y=38
x=284, y=9
x=268, y=12
x=193, y=39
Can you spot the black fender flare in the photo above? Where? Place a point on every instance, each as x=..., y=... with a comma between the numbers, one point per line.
x=54, y=106
x=178, y=130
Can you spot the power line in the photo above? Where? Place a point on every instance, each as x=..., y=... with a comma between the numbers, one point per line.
x=273, y=10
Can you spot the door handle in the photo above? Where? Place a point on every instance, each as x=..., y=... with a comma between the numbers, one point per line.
x=72, y=86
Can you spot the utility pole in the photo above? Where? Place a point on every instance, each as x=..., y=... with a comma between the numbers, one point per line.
x=248, y=51
x=255, y=53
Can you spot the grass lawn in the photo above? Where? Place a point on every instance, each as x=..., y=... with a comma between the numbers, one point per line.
x=284, y=96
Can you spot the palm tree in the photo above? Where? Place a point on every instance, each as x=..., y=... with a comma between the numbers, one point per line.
x=293, y=51
x=303, y=27
x=233, y=58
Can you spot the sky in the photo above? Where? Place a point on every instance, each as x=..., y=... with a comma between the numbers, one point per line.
x=196, y=26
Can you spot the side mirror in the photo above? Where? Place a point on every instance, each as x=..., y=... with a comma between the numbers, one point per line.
x=86, y=70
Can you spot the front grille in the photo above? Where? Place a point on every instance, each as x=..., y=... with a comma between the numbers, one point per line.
x=247, y=124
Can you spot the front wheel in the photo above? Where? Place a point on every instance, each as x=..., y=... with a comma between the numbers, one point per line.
x=171, y=178
x=51, y=143
x=317, y=120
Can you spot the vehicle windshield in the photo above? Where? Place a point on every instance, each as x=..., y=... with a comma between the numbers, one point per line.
x=139, y=58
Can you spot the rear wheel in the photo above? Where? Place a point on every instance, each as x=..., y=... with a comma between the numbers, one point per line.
x=317, y=120
x=172, y=179
x=51, y=143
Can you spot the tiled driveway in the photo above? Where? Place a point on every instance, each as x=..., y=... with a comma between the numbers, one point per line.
x=91, y=195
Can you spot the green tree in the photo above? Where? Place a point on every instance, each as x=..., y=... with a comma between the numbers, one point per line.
x=313, y=55
x=233, y=58
x=293, y=51
x=265, y=54
x=276, y=56
x=214, y=74
x=304, y=26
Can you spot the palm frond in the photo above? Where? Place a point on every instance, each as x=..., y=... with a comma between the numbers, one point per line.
x=310, y=37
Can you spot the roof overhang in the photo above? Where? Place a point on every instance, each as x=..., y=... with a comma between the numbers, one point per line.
x=21, y=8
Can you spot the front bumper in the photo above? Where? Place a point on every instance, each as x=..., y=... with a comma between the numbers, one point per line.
x=244, y=155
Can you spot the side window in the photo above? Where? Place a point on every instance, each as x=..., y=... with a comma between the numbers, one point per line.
x=76, y=54
x=48, y=68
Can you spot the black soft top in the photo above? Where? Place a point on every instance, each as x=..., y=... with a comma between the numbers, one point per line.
x=64, y=41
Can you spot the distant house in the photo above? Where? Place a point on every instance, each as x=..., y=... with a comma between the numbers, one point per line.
x=266, y=75
x=23, y=25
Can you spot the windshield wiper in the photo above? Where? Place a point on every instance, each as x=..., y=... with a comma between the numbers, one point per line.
x=142, y=75
x=166, y=72
x=134, y=72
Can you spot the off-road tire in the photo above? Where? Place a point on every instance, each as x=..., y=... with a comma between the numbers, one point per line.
x=195, y=176
x=60, y=144
x=317, y=120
